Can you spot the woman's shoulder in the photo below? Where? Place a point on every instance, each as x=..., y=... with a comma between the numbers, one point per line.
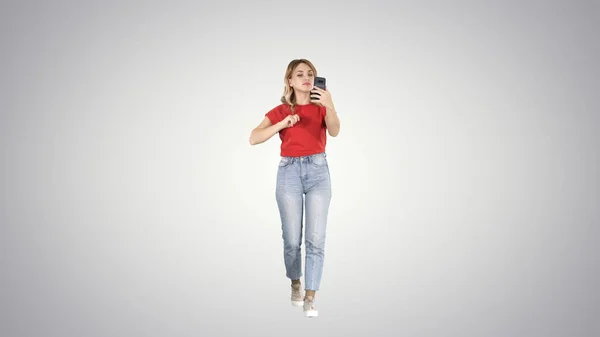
x=277, y=107
x=277, y=112
x=281, y=108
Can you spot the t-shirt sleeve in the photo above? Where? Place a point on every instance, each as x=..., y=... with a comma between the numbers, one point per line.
x=275, y=115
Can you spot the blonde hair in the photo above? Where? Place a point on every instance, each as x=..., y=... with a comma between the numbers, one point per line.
x=289, y=96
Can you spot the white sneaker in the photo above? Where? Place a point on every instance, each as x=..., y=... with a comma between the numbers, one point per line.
x=297, y=295
x=309, y=307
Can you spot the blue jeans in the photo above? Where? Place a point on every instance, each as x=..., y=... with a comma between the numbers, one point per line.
x=304, y=181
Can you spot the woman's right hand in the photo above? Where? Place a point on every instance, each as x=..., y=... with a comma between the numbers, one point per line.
x=289, y=120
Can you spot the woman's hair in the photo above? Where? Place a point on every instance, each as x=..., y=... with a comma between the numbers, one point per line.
x=289, y=97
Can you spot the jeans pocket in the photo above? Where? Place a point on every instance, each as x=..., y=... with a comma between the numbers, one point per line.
x=319, y=160
x=285, y=161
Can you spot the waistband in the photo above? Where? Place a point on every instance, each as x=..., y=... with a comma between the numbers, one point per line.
x=324, y=154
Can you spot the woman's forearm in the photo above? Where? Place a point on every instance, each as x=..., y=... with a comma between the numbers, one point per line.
x=332, y=121
x=261, y=135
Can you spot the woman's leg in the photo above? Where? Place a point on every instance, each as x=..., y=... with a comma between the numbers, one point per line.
x=289, y=195
x=318, y=197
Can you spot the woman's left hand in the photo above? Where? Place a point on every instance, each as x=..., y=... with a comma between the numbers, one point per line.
x=324, y=99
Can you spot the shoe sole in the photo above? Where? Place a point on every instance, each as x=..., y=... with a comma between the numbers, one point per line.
x=298, y=303
x=311, y=314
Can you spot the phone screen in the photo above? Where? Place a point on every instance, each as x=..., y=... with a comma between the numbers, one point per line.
x=320, y=82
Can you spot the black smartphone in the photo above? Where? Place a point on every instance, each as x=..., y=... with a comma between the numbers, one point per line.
x=320, y=82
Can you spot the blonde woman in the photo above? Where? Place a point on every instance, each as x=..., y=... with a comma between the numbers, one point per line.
x=303, y=119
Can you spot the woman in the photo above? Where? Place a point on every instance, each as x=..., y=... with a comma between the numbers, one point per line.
x=302, y=118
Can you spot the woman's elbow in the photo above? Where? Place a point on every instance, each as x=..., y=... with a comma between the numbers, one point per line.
x=333, y=133
x=252, y=138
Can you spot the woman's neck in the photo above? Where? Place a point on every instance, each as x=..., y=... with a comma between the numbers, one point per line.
x=302, y=98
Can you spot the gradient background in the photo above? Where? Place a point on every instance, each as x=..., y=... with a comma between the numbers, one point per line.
x=465, y=176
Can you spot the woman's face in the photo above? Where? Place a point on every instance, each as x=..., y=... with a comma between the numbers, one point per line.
x=302, y=78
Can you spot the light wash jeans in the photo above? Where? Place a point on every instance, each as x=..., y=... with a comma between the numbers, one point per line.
x=304, y=181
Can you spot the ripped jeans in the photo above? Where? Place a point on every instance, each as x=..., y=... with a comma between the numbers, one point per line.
x=304, y=182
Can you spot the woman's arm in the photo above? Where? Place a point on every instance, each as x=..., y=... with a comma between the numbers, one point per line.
x=331, y=118
x=264, y=131
x=332, y=121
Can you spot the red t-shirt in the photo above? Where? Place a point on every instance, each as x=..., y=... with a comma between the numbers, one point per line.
x=306, y=137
